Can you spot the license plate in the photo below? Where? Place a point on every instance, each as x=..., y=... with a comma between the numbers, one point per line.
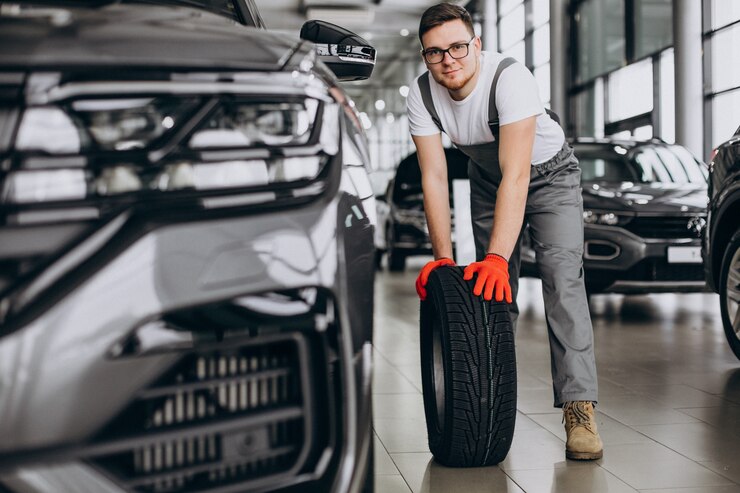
x=684, y=255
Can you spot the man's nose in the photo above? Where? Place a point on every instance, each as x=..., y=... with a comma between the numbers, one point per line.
x=447, y=58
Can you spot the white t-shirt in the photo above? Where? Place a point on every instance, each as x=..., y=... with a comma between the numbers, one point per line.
x=466, y=121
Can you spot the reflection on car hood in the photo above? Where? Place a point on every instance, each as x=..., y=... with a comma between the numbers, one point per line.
x=645, y=197
x=137, y=35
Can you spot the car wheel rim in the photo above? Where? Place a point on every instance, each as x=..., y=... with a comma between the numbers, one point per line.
x=439, y=378
x=733, y=293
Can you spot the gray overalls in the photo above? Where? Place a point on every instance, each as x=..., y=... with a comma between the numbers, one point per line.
x=554, y=211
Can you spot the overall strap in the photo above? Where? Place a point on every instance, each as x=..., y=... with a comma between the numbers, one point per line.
x=426, y=97
x=492, y=110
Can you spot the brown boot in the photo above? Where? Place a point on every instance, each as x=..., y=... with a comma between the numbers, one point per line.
x=583, y=441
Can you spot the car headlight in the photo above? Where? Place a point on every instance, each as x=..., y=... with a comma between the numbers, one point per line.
x=606, y=218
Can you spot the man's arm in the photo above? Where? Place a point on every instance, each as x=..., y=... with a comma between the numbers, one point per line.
x=515, y=158
x=433, y=166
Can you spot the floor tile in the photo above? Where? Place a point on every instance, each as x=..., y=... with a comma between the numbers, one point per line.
x=592, y=479
x=391, y=484
x=402, y=434
x=612, y=431
x=383, y=463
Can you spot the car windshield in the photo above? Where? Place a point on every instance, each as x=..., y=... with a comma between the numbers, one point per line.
x=649, y=164
x=669, y=164
x=408, y=174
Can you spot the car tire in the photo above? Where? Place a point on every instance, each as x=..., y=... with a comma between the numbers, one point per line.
x=396, y=258
x=468, y=366
x=729, y=292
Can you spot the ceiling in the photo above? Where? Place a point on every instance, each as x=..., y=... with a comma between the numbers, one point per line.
x=378, y=21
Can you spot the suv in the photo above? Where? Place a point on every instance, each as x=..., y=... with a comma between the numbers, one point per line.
x=644, y=211
x=186, y=242
x=402, y=219
x=721, y=246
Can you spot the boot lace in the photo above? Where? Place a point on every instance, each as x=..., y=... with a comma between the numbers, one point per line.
x=577, y=414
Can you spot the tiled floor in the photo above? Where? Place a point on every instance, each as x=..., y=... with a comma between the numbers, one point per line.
x=669, y=410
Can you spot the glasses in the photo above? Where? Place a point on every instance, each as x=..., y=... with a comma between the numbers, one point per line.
x=457, y=51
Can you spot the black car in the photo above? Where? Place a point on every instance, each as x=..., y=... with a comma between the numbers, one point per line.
x=186, y=258
x=403, y=220
x=644, y=212
x=721, y=246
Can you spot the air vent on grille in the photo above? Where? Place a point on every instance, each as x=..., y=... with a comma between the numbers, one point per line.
x=661, y=227
x=219, y=417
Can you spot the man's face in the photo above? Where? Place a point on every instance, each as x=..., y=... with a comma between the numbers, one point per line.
x=452, y=73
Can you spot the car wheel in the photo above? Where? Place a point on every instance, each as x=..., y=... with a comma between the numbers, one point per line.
x=468, y=367
x=729, y=293
x=396, y=258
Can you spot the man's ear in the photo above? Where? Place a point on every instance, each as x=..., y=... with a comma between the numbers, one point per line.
x=478, y=45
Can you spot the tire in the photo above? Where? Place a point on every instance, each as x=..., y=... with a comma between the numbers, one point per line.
x=729, y=293
x=468, y=366
x=396, y=258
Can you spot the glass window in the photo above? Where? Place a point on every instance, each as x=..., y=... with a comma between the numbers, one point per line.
x=540, y=12
x=724, y=116
x=630, y=91
x=607, y=170
x=541, y=45
x=725, y=59
x=517, y=51
x=542, y=75
x=724, y=12
x=653, y=26
x=672, y=164
x=505, y=6
x=667, y=97
x=585, y=113
x=600, y=31
x=644, y=133
x=511, y=27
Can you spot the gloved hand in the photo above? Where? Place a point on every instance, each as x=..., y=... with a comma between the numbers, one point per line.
x=421, y=281
x=493, y=273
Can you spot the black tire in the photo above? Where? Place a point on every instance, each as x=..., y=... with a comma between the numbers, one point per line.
x=729, y=293
x=396, y=258
x=468, y=367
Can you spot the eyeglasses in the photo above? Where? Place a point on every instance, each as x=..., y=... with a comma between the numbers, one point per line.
x=436, y=55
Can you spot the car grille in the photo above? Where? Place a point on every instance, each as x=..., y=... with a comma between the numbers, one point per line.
x=661, y=227
x=254, y=406
x=661, y=270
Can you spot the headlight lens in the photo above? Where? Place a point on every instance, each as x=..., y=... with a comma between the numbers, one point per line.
x=606, y=218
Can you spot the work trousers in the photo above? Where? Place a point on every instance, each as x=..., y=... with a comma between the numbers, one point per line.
x=554, y=212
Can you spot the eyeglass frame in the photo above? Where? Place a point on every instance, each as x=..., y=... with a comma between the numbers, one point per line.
x=447, y=52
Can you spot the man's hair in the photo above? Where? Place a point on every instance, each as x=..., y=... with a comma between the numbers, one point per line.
x=437, y=15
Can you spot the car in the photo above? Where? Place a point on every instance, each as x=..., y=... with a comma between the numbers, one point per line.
x=186, y=242
x=644, y=212
x=401, y=220
x=721, y=241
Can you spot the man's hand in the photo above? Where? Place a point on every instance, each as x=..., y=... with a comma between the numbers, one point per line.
x=421, y=281
x=493, y=274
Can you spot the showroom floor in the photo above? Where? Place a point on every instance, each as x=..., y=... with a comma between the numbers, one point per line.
x=669, y=410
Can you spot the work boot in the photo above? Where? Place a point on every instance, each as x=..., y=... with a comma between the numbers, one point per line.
x=583, y=441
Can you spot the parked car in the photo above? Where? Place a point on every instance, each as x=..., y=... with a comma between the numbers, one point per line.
x=186, y=298
x=401, y=210
x=721, y=245
x=644, y=212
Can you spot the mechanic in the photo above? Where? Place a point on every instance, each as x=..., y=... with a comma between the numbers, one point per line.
x=520, y=168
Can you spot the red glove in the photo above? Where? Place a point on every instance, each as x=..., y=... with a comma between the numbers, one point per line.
x=421, y=281
x=493, y=273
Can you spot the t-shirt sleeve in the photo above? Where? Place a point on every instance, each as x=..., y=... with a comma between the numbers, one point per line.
x=420, y=121
x=517, y=95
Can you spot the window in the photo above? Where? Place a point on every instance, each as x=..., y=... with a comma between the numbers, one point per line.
x=667, y=97
x=724, y=116
x=726, y=58
x=672, y=164
x=630, y=91
x=601, y=40
x=724, y=12
x=511, y=27
x=653, y=26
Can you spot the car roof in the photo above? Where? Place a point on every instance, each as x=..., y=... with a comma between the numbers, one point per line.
x=138, y=35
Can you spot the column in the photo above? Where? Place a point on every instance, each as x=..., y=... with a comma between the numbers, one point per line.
x=687, y=45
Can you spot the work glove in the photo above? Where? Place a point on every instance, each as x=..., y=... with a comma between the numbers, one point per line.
x=421, y=281
x=493, y=274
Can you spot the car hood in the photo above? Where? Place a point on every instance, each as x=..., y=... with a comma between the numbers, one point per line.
x=646, y=197
x=139, y=35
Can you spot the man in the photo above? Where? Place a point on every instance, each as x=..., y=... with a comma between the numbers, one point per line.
x=520, y=167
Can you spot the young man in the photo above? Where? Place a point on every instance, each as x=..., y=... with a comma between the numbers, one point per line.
x=520, y=167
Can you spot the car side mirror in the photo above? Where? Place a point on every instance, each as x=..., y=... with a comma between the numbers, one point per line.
x=346, y=54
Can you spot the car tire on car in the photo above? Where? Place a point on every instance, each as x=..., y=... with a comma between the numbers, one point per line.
x=729, y=292
x=468, y=367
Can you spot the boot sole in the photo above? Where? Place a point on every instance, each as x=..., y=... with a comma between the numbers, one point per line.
x=569, y=454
